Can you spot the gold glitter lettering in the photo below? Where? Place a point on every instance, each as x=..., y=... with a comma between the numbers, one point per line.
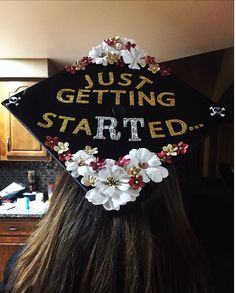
x=89, y=80
x=118, y=93
x=124, y=76
x=100, y=95
x=173, y=132
x=47, y=119
x=154, y=129
x=169, y=102
x=83, y=125
x=151, y=100
x=131, y=98
x=142, y=83
x=67, y=98
x=65, y=119
x=82, y=95
x=101, y=81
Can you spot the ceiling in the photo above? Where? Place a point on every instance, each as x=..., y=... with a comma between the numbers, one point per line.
x=65, y=31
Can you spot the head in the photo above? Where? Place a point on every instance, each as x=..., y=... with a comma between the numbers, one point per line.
x=128, y=107
x=147, y=246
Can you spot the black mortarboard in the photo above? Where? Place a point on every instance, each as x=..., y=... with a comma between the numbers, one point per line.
x=119, y=104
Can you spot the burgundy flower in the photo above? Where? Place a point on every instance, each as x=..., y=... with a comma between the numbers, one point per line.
x=164, y=157
x=86, y=60
x=66, y=156
x=150, y=60
x=122, y=162
x=136, y=182
x=182, y=148
x=51, y=142
x=120, y=62
x=165, y=71
x=98, y=165
x=110, y=42
x=71, y=69
x=130, y=45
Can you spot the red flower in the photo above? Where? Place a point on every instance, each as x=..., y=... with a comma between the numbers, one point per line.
x=110, y=42
x=65, y=156
x=71, y=69
x=130, y=45
x=150, y=60
x=122, y=162
x=136, y=182
x=182, y=148
x=51, y=142
x=165, y=71
x=98, y=165
x=86, y=60
x=120, y=62
x=164, y=157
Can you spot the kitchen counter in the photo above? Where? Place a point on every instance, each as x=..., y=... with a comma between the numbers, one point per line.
x=10, y=210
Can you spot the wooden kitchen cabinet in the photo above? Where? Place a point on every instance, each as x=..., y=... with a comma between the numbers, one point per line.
x=16, y=143
x=13, y=234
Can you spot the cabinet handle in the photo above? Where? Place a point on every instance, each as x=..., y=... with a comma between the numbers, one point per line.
x=8, y=144
x=14, y=228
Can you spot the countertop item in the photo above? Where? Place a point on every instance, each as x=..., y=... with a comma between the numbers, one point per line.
x=10, y=210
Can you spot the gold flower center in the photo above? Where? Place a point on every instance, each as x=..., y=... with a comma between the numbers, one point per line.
x=111, y=181
x=133, y=171
x=101, y=55
x=81, y=163
x=143, y=165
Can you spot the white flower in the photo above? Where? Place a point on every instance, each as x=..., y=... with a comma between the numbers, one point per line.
x=61, y=147
x=113, y=202
x=135, y=58
x=112, y=188
x=99, y=54
x=79, y=165
x=112, y=177
x=149, y=163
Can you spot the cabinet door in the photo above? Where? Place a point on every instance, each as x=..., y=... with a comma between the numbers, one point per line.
x=14, y=233
x=6, y=251
x=16, y=141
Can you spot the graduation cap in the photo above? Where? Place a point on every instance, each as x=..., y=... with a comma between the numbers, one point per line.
x=114, y=118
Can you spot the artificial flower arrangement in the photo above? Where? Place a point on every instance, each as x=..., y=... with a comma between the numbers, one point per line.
x=115, y=183
x=119, y=51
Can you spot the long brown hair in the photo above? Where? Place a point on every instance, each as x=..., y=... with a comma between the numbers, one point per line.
x=147, y=247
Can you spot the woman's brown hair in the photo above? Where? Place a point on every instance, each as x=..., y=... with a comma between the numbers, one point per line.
x=147, y=247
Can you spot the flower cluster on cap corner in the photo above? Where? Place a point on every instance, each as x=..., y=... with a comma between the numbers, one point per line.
x=114, y=183
x=119, y=51
x=172, y=150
